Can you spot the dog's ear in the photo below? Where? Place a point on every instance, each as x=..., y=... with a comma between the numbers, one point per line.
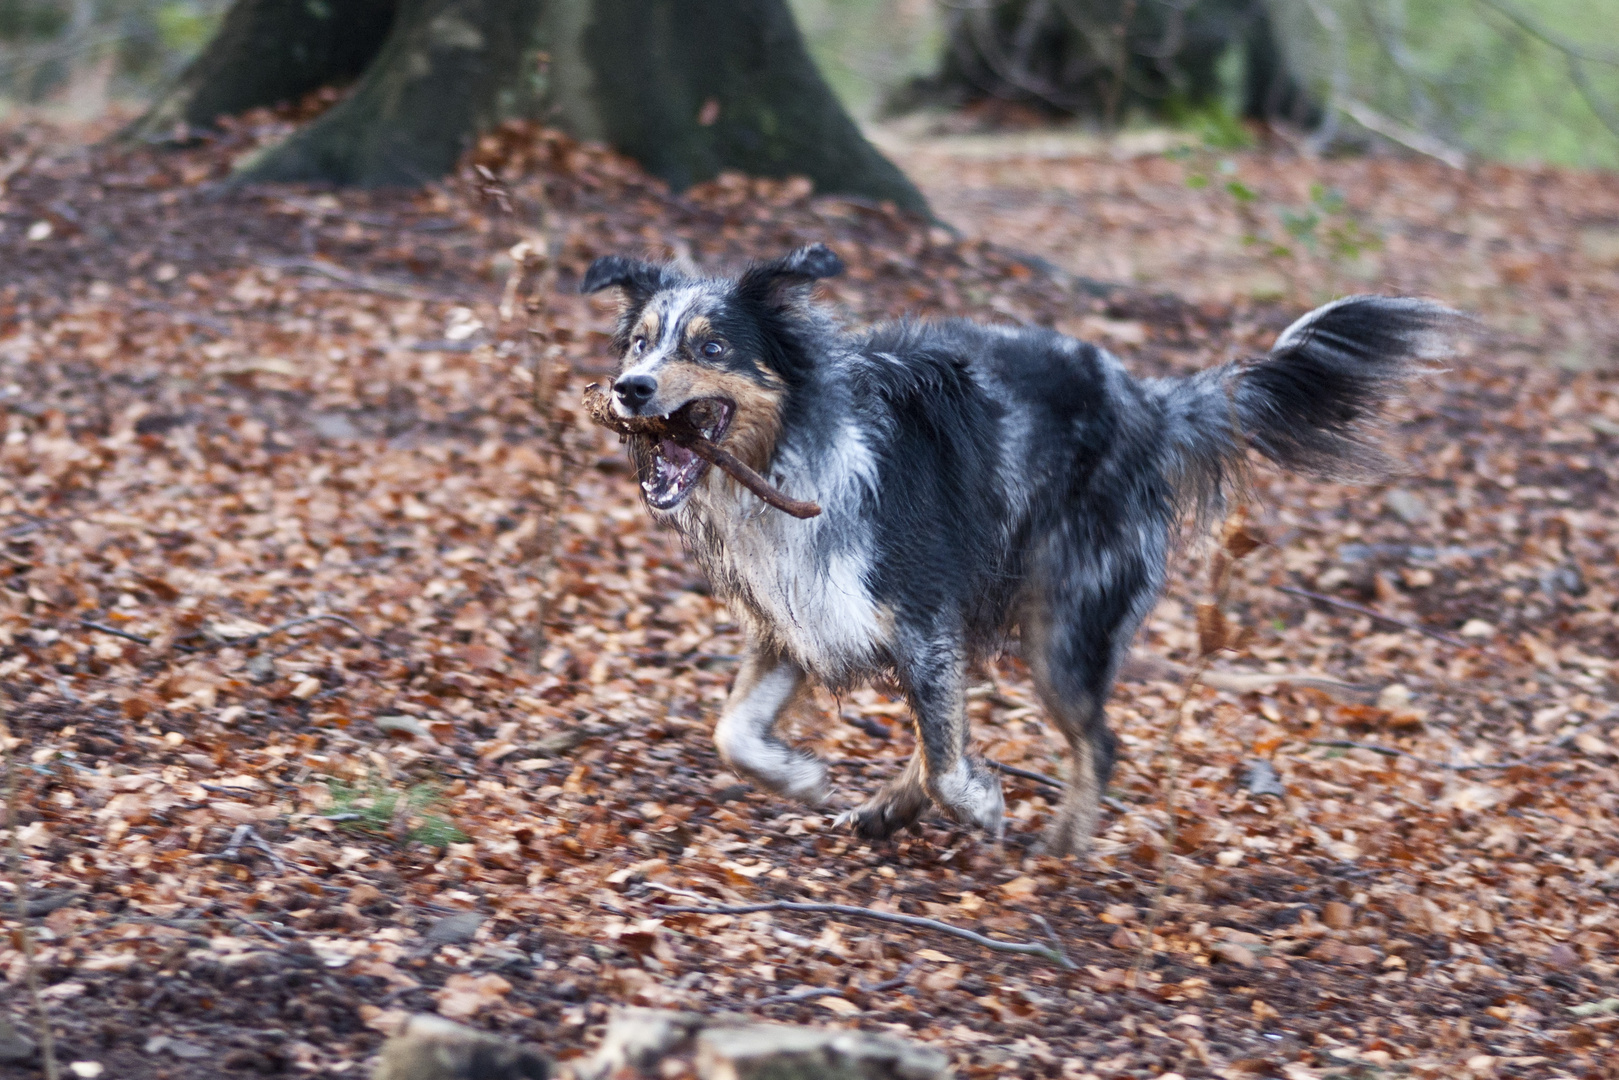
x=783, y=279
x=638, y=279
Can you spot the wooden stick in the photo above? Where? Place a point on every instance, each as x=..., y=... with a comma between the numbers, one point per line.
x=1333, y=601
x=1389, y=751
x=600, y=409
x=1052, y=953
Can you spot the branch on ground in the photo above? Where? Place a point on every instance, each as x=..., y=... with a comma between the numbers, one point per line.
x=1051, y=953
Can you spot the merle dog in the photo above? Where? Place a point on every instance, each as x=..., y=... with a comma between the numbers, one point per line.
x=974, y=479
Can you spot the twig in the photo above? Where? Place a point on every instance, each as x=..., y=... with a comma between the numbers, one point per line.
x=1162, y=890
x=243, y=834
x=1028, y=774
x=1410, y=138
x=114, y=631
x=811, y=992
x=233, y=850
x=1557, y=41
x=302, y=620
x=1050, y=953
x=363, y=282
x=1389, y=751
x=600, y=410
x=47, y=1041
x=1347, y=605
x=266, y=931
x=1213, y=635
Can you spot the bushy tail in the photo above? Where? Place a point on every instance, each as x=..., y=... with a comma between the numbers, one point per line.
x=1313, y=403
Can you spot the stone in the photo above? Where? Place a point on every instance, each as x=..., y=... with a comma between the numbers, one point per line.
x=781, y=1052
x=433, y=1048
x=637, y=1039
x=405, y=726
x=1231, y=952
x=186, y=1051
x=1406, y=506
x=652, y=1042
x=454, y=929
x=1259, y=777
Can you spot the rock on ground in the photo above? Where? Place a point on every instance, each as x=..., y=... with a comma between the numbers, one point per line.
x=728, y=1047
x=432, y=1048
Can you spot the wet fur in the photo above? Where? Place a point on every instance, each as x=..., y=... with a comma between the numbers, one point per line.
x=975, y=481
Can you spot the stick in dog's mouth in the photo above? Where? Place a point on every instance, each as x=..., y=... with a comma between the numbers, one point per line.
x=676, y=468
x=685, y=447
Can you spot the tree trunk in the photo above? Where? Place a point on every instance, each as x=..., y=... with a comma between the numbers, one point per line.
x=1102, y=58
x=689, y=88
x=270, y=51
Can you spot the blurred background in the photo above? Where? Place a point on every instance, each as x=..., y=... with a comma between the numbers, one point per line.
x=1512, y=80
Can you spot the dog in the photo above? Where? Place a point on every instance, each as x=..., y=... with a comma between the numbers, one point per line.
x=975, y=480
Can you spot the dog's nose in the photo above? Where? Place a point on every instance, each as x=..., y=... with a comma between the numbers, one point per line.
x=635, y=390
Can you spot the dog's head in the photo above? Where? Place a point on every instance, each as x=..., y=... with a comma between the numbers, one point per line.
x=719, y=353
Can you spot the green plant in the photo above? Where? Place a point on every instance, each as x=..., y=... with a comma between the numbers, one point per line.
x=381, y=810
x=1328, y=225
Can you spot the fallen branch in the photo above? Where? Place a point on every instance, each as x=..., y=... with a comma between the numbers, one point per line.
x=1410, y=138
x=354, y=280
x=266, y=931
x=1051, y=782
x=302, y=620
x=1052, y=953
x=103, y=628
x=600, y=410
x=243, y=834
x=1389, y=751
x=1028, y=774
x=1243, y=682
x=1333, y=601
x=19, y=882
x=1214, y=633
x=809, y=993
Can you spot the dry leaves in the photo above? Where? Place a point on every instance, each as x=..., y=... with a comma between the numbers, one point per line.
x=209, y=433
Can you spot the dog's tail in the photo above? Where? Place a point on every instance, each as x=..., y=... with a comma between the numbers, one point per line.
x=1313, y=403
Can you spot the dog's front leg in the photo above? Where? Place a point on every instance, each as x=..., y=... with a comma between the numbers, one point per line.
x=766, y=685
x=940, y=770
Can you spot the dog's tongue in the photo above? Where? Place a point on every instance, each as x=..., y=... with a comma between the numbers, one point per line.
x=675, y=454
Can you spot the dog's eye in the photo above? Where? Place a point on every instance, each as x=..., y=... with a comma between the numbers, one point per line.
x=638, y=346
x=713, y=348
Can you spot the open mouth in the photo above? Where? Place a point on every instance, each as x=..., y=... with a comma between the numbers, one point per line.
x=675, y=469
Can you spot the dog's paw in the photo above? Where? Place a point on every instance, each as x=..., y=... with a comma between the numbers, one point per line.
x=1063, y=837
x=806, y=781
x=971, y=795
x=876, y=820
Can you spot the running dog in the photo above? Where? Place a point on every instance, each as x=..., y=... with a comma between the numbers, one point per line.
x=973, y=480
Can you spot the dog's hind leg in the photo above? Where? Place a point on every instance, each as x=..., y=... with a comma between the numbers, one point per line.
x=1076, y=630
x=765, y=686
x=940, y=771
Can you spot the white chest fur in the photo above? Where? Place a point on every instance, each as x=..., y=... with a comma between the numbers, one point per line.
x=800, y=583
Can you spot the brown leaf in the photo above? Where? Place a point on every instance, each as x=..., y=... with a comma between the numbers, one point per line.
x=1241, y=541
x=1212, y=630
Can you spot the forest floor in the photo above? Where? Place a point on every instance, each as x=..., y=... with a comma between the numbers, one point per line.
x=255, y=839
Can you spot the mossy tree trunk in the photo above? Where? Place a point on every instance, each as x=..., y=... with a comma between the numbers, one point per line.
x=1102, y=58
x=687, y=87
x=270, y=51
